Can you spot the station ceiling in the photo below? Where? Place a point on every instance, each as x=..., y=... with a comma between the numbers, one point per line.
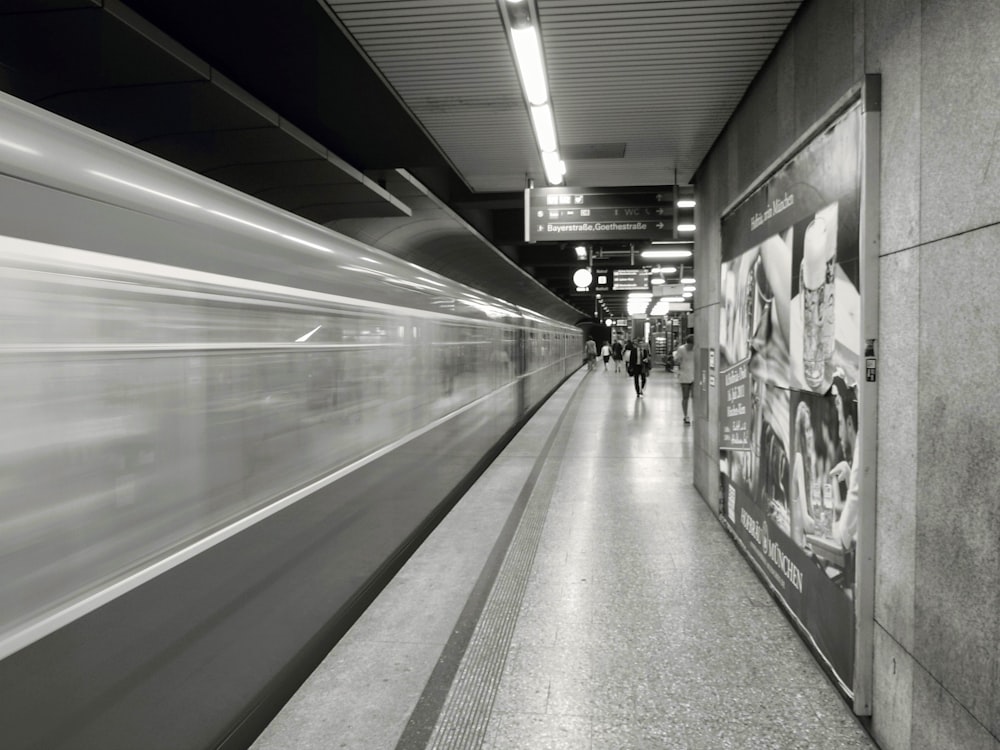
x=401, y=122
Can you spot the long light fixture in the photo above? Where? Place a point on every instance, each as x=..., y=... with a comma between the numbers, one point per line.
x=519, y=16
x=545, y=128
x=654, y=254
x=528, y=54
x=555, y=169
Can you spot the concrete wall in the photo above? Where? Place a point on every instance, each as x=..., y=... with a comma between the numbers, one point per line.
x=937, y=611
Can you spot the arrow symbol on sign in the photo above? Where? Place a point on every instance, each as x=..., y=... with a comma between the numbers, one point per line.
x=659, y=225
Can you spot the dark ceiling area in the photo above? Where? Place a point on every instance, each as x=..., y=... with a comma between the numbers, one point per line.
x=284, y=109
x=280, y=100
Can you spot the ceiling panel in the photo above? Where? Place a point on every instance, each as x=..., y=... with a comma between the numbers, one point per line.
x=660, y=76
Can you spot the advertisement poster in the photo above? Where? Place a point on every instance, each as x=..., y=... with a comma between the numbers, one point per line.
x=788, y=363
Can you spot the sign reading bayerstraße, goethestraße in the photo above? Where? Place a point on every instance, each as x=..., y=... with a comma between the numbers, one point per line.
x=586, y=213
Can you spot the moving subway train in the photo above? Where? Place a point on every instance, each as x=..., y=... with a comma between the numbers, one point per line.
x=222, y=428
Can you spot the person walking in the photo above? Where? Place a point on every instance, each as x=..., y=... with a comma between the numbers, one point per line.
x=605, y=354
x=616, y=355
x=645, y=362
x=637, y=359
x=684, y=359
x=590, y=354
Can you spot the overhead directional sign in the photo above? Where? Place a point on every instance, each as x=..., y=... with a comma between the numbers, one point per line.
x=581, y=213
x=630, y=279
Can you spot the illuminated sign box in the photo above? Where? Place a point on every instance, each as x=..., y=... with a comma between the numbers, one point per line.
x=588, y=213
x=630, y=279
x=602, y=280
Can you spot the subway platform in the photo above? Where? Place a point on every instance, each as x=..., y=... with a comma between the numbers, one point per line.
x=580, y=596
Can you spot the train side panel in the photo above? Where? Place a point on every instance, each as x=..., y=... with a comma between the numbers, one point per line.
x=223, y=430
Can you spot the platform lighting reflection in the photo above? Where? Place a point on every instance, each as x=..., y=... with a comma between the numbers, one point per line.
x=244, y=222
x=221, y=214
x=410, y=284
x=304, y=338
x=491, y=311
x=151, y=191
x=18, y=147
x=370, y=260
x=431, y=281
x=307, y=243
x=369, y=271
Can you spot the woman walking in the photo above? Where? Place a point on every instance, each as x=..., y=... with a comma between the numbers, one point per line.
x=684, y=357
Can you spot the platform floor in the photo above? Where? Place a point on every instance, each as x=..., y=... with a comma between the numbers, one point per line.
x=580, y=596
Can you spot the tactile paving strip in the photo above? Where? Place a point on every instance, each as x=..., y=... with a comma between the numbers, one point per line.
x=465, y=714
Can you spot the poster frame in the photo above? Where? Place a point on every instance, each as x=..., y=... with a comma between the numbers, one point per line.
x=868, y=93
x=869, y=254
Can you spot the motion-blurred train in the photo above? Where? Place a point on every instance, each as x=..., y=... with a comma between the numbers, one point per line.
x=222, y=427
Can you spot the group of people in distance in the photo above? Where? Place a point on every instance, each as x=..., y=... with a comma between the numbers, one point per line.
x=638, y=361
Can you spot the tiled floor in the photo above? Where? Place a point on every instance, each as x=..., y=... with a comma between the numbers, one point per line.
x=636, y=623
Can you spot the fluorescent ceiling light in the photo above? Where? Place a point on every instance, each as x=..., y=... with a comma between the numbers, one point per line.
x=686, y=227
x=545, y=128
x=671, y=242
x=581, y=252
x=665, y=253
x=687, y=295
x=657, y=281
x=687, y=280
x=689, y=289
x=686, y=203
x=665, y=269
x=554, y=167
x=528, y=54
